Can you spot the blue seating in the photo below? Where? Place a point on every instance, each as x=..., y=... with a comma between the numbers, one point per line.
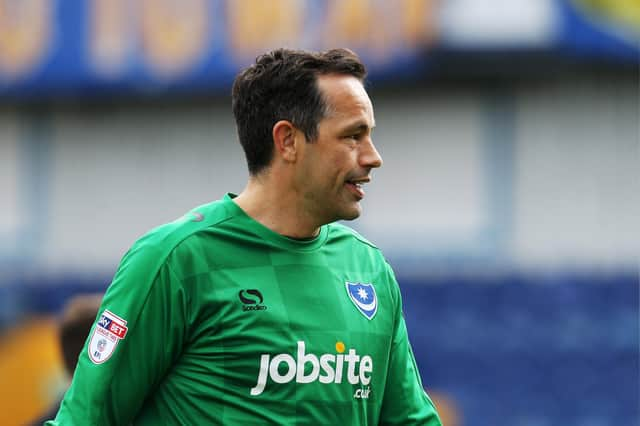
x=530, y=350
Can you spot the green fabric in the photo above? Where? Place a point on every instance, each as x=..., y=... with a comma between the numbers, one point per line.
x=203, y=347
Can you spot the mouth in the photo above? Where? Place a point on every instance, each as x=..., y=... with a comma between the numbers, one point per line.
x=355, y=186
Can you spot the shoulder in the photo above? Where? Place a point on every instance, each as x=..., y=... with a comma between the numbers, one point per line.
x=340, y=232
x=154, y=247
x=350, y=240
x=156, y=262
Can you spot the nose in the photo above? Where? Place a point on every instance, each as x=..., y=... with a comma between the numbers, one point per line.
x=369, y=156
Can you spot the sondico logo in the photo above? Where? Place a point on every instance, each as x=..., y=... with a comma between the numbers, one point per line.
x=252, y=300
x=328, y=368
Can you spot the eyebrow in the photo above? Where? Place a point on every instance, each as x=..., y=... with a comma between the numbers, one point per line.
x=359, y=127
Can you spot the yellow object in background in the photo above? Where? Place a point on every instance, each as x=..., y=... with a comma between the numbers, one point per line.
x=447, y=409
x=31, y=373
x=626, y=12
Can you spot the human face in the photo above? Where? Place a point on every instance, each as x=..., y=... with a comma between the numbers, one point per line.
x=334, y=167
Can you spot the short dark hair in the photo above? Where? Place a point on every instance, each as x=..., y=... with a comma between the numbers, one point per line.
x=79, y=314
x=282, y=85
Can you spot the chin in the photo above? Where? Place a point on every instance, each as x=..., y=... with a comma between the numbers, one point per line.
x=350, y=214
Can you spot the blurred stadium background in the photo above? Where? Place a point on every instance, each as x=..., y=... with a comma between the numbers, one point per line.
x=508, y=203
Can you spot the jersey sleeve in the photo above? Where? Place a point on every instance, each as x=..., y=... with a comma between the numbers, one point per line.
x=147, y=301
x=405, y=402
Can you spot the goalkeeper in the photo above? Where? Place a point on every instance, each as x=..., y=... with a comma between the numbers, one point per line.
x=259, y=308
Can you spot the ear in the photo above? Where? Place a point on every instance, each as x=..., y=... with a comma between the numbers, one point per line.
x=284, y=140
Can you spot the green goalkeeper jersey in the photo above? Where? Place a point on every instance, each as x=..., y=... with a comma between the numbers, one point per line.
x=215, y=319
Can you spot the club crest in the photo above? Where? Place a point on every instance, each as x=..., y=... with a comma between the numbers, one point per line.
x=364, y=297
x=109, y=330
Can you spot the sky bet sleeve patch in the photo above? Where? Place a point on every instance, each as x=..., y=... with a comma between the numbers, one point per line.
x=109, y=330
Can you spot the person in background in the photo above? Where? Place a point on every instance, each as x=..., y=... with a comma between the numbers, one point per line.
x=260, y=308
x=78, y=315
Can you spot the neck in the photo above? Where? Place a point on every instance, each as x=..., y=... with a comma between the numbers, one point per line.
x=279, y=209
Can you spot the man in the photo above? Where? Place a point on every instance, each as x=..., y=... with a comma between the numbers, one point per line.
x=257, y=308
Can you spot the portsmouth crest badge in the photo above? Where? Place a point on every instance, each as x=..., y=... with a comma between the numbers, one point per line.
x=109, y=330
x=364, y=297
